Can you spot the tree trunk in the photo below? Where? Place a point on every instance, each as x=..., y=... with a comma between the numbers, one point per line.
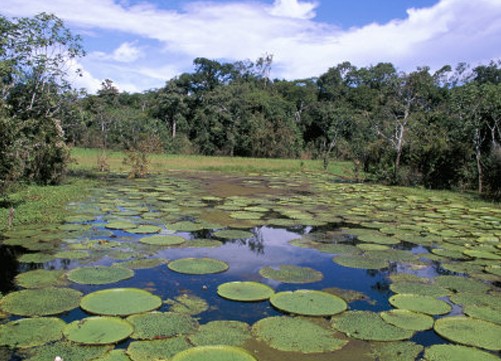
x=478, y=157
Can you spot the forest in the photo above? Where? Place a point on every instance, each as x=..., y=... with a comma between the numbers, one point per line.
x=440, y=129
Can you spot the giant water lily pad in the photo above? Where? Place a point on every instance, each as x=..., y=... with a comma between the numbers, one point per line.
x=409, y=320
x=214, y=353
x=423, y=304
x=40, y=302
x=120, y=225
x=185, y=226
x=462, y=284
x=457, y=353
x=142, y=263
x=484, y=313
x=31, y=332
x=188, y=304
x=78, y=254
x=308, y=303
x=67, y=351
x=233, y=234
x=99, y=275
x=296, y=334
x=360, y=261
x=120, y=302
x=145, y=229
x=35, y=258
x=41, y=278
x=470, y=331
x=234, y=333
x=155, y=325
x=366, y=325
x=291, y=274
x=157, y=349
x=114, y=355
x=163, y=240
x=98, y=330
x=245, y=291
x=198, y=266
x=419, y=288
x=396, y=351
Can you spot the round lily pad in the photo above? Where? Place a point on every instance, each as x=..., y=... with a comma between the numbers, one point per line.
x=483, y=313
x=457, y=353
x=296, y=334
x=396, y=351
x=145, y=229
x=163, y=349
x=142, y=263
x=31, y=332
x=419, y=288
x=198, y=266
x=40, y=302
x=163, y=240
x=370, y=326
x=462, y=284
x=214, y=353
x=72, y=254
x=67, y=351
x=245, y=291
x=188, y=304
x=114, y=355
x=423, y=304
x=482, y=254
x=291, y=274
x=120, y=302
x=185, y=226
x=233, y=234
x=119, y=225
x=156, y=325
x=98, y=330
x=99, y=275
x=360, y=261
x=41, y=278
x=233, y=333
x=408, y=319
x=470, y=331
x=308, y=303
x=35, y=258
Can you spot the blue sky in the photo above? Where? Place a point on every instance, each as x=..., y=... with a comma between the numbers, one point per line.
x=142, y=44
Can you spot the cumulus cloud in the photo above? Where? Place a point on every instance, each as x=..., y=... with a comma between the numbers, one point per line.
x=447, y=33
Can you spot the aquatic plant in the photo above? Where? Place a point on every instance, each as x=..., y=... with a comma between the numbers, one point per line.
x=423, y=304
x=245, y=291
x=31, y=332
x=187, y=304
x=233, y=333
x=98, y=330
x=396, y=351
x=67, y=351
x=157, y=349
x=163, y=240
x=308, y=303
x=114, y=355
x=461, y=284
x=291, y=274
x=419, y=288
x=214, y=353
x=233, y=234
x=360, y=261
x=35, y=258
x=99, y=275
x=145, y=229
x=120, y=302
x=142, y=263
x=457, y=353
x=41, y=278
x=408, y=319
x=185, y=226
x=198, y=266
x=156, y=325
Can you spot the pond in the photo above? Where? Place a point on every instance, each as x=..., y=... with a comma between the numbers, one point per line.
x=202, y=266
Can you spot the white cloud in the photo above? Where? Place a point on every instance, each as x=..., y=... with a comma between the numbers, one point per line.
x=447, y=33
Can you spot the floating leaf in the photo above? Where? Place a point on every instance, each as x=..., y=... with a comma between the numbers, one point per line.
x=142, y=263
x=120, y=302
x=99, y=275
x=233, y=234
x=461, y=284
x=67, y=351
x=407, y=319
x=214, y=353
x=296, y=334
x=163, y=240
x=396, y=351
x=98, y=330
x=423, y=304
x=31, y=332
x=145, y=229
x=418, y=288
x=41, y=278
x=308, y=303
x=114, y=355
x=72, y=254
x=124, y=226
x=35, y=258
x=245, y=291
x=457, y=353
x=354, y=261
x=157, y=349
x=233, y=333
x=198, y=266
x=188, y=304
x=157, y=325
x=291, y=274
x=185, y=226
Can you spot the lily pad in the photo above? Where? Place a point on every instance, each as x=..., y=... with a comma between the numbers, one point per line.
x=418, y=288
x=120, y=302
x=35, y=258
x=98, y=330
x=457, y=353
x=233, y=234
x=198, y=266
x=157, y=325
x=214, y=353
x=40, y=302
x=296, y=334
x=461, y=284
x=203, y=243
x=369, y=326
x=163, y=240
x=232, y=333
x=361, y=261
x=31, y=332
x=72, y=254
x=143, y=263
x=470, y=331
x=188, y=304
x=424, y=304
x=408, y=319
x=145, y=229
x=308, y=303
x=114, y=355
x=291, y=274
x=483, y=313
x=99, y=275
x=185, y=226
x=41, y=278
x=157, y=349
x=245, y=291
x=119, y=225
x=67, y=351
x=396, y=351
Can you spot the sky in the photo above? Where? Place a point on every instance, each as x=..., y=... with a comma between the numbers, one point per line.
x=140, y=45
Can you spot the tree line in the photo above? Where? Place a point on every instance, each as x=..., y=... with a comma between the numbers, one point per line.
x=440, y=129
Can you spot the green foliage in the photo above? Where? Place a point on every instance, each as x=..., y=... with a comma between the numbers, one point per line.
x=245, y=291
x=231, y=333
x=457, y=353
x=308, y=303
x=98, y=330
x=157, y=349
x=99, y=275
x=67, y=351
x=214, y=353
x=198, y=266
x=417, y=303
x=187, y=304
x=31, y=332
x=120, y=301
x=41, y=278
x=157, y=325
x=291, y=274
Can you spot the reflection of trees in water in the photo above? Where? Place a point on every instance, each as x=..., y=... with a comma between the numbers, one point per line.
x=8, y=268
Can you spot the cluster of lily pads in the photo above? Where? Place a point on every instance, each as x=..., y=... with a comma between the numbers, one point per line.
x=442, y=258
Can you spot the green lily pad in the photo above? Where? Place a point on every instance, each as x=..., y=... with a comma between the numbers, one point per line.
x=124, y=226
x=378, y=239
x=214, y=353
x=477, y=299
x=361, y=261
x=291, y=274
x=372, y=247
x=233, y=234
x=35, y=258
x=145, y=229
x=157, y=325
x=198, y=266
x=120, y=302
x=408, y=319
x=457, y=353
x=494, y=269
x=40, y=302
x=188, y=304
x=67, y=351
x=163, y=240
x=369, y=326
x=143, y=263
x=245, y=291
x=396, y=351
x=157, y=349
x=98, y=330
x=461, y=284
x=418, y=288
x=185, y=226
x=483, y=313
x=99, y=275
x=482, y=254
x=296, y=334
x=41, y=278
x=423, y=304
x=31, y=332
x=308, y=303
x=203, y=243
x=72, y=254
x=470, y=331
x=114, y=355
x=232, y=333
